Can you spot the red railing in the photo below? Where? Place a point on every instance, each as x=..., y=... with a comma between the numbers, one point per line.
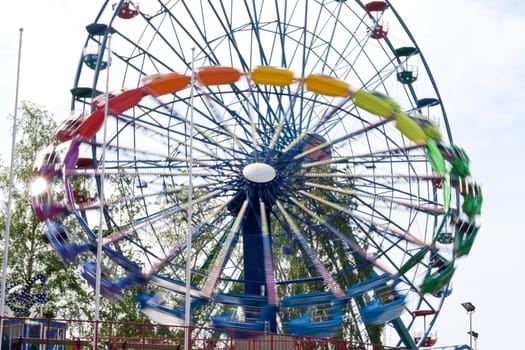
x=59, y=334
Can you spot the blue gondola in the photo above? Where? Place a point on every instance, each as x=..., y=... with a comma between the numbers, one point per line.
x=119, y=259
x=307, y=299
x=307, y=325
x=176, y=286
x=108, y=288
x=111, y=288
x=237, y=328
x=427, y=102
x=367, y=285
x=378, y=312
x=240, y=299
x=243, y=328
x=98, y=29
x=152, y=306
x=58, y=237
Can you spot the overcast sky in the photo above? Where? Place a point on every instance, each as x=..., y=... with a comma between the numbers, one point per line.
x=476, y=52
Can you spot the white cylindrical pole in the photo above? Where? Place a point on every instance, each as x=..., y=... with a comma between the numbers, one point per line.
x=470, y=332
x=102, y=167
x=10, y=192
x=187, y=306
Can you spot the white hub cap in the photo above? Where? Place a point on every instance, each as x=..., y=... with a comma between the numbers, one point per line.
x=259, y=173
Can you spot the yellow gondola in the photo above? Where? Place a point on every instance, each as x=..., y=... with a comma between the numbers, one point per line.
x=328, y=86
x=272, y=76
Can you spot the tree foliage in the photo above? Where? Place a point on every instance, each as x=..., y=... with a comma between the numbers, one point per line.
x=30, y=254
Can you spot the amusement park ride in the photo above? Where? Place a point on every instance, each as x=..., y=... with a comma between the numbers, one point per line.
x=328, y=197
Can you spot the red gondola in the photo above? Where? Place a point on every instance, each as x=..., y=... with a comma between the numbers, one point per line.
x=376, y=6
x=129, y=9
x=380, y=29
x=121, y=101
x=68, y=127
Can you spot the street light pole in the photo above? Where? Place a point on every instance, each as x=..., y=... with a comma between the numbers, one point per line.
x=187, y=305
x=10, y=195
x=470, y=331
x=475, y=335
x=470, y=309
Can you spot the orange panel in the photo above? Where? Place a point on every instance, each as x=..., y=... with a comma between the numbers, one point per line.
x=218, y=75
x=167, y=84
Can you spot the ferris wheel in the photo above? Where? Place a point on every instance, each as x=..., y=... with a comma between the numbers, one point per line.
x=291, y=159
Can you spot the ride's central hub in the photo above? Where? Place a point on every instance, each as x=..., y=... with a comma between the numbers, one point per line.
x=260, y=173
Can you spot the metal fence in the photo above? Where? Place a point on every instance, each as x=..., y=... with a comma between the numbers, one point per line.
x=59, y=334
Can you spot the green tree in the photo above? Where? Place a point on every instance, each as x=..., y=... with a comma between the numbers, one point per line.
x=30, y=253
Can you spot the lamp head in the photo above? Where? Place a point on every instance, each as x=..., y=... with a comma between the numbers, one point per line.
x=468, y=306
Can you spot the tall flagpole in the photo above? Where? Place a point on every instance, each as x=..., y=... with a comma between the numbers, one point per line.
x=101, y=199
x=10, y=192
x=187, y=306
